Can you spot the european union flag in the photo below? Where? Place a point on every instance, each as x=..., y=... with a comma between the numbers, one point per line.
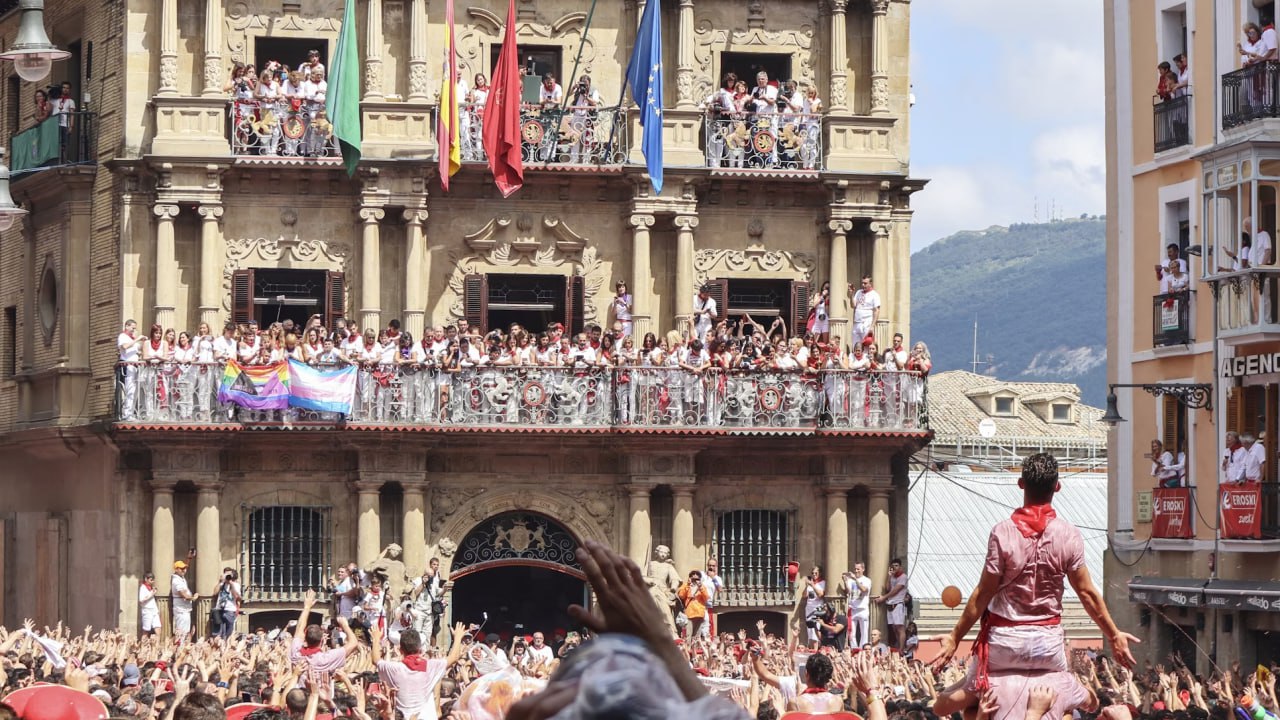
x=644, y=75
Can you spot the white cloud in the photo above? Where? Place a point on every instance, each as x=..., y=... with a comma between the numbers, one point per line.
x=1071, y=163
x=960, y=198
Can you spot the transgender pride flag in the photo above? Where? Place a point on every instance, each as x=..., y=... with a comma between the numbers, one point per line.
x=321, y=390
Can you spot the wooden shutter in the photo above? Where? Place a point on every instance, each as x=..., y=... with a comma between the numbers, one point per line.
x=1172, y=410
x=335, y=297
x=718, y=290
x=1233, y=409
x=799, y=308
x=242, y=296
x=574, y=299
x=475, y=301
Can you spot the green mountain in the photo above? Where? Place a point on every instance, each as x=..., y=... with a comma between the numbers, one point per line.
x=1038, y=293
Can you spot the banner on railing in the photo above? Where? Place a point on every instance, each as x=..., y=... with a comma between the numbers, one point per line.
x=1172, y=513
x=256, y=388
x=1241, y=512
x=36, y=146
x=321, y=390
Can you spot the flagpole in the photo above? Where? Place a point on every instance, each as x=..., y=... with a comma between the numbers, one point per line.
x=564, y=103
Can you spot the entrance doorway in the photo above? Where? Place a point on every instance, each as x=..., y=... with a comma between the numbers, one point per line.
x=518, y=600
x=291, y=52
x=532, y=301
x=746, y=65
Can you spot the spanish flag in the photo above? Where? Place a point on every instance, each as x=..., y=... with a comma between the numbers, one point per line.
x=447, y=134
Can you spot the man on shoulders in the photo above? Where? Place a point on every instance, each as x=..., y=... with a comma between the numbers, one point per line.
x=308, y=645
x=414, y=677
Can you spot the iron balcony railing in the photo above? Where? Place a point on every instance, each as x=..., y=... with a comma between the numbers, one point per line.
x=168, y=393
x=578, y=135
x=1171, y=319
x=283, y=128
x=1251, y=93
x=1246, y=300
x=63, y=139
x=1172, y=119
x=764, y=141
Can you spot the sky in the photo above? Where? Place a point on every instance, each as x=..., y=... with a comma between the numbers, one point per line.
x=1008, y=115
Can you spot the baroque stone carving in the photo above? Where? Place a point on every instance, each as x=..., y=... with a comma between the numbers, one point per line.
x=839, y=83
x=243, y=252
x=446, y=502
x=709, y=38
x=707, y=261
x=373, y=77
x=213, y=73
x=168, y=73
x=684, y=85
x=484, y=26
x=262, y=18
x=446, y=547
x=879, y=94
x=418, y=85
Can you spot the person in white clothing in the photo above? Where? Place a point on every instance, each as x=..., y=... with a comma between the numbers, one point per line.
x=147, y=605
x=1163, y=468
x=1260, y=256
x=538, y=656
x=858, y=591
x=866, y=311
x=705, y=313
x=1233, y=459
x=1255, y=458
x=181, y=598
x=130, y=347
x=228, y=600
x=550, y=94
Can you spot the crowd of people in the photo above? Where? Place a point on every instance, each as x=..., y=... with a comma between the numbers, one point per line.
x=705, y=375
x=280, y=109
x=772, y=124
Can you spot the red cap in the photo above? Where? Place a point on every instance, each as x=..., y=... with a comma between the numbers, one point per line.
x=238, y=712
x=55, y=702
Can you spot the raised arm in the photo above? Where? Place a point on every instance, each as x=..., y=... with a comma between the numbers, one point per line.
x=1097, y=609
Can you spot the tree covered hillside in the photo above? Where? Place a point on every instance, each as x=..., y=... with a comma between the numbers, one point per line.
x=1038, y=292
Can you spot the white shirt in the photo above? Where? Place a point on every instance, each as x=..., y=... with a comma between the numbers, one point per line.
x=1184, y=78
x=63, y=106
x=859, y=591
x=1235, y=464
x=1267, y=42
x=147, y=601
x=769, y=92
x=554, y=95
x=865, y=304
x=178, y=586
x=534, y=656
x=1261, y=248
x=415, y=691
x=229, y=603
x=1254, y=458
x=345, y=603
x=224, y=348
x=706, y=312
x=1162, y=468
x=306, y=69
x=129, y=347
x=582, y=355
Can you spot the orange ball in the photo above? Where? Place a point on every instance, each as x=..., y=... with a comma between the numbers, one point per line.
x=951, y=596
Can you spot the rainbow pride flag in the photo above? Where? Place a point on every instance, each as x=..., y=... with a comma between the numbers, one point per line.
x=328, y=390
x=256, y=388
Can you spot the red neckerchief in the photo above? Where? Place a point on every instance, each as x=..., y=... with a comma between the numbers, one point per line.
x=309, y=651
x=155, y=344
x=1235, y=446
x=1031, y=520
x=814, y=691
x=148, y=586
x=129, y=333
x=415, y=662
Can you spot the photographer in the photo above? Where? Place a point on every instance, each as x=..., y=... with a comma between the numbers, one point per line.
x=831, y=627
x=228, y=602
x=585, y=97
x=694, y=596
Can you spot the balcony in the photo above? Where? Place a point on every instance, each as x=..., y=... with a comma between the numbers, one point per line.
x=59, y=140
x=1173, y=513
x=551, y=399
x=284, y=129
x=1246, y=304
x=771, y=142
x=1250, y=511
x=1172, y=120
x=1171, y=319
x=1251, y=93
x=578, y=136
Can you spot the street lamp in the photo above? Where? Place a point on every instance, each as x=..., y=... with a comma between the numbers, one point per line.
x=32, y=53
x=1193, y=395
x=9, y=210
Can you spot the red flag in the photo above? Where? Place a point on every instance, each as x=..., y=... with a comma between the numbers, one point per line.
x=502, y=114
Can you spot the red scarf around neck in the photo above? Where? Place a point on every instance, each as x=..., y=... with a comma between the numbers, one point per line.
x=1031, y=520
x=415, y=662
x=309, y=651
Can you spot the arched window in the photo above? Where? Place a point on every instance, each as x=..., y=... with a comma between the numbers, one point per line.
x=285, y=551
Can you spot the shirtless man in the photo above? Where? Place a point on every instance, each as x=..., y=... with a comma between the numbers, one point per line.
x=1019, y=600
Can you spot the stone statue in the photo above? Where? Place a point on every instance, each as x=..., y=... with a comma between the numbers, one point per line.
x=663, y=582
x=390, y=567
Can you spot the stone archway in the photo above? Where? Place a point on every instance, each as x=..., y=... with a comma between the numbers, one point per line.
x=517, y=538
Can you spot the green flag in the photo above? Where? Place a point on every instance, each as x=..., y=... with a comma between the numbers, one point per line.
x=342, y=103
x=35, y=146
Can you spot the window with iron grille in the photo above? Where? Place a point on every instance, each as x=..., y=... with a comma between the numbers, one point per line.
x=285, y=550
x=754, y=547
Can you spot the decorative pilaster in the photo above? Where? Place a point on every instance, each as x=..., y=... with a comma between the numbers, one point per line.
x=684, y=59
x=213, y=72
x=838, y=299
x=210, y=265
x=879, y=57
x=417, y=272
x=418, y=51
x=878, y=548
x=166, y=265
x=641, y=276
x=368, y=525
x=208, y=536
x=685, y=290
x=682, y=551
x=414, y=527
x=370, y=270
x=640, y=536
x=373, y=90
x=162, y=533
x=168, y=49
x=839, y=60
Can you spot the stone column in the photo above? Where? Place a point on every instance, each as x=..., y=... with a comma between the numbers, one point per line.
x=684, y=59
x=838, y=312
x=641, y=276
x=880, y=279
x=210, y=266
x=208, y=536
x=879, y=57
x=166, y=265
x=839, y=62
x=417, y=273
x=837, y=537
x=685, y=290
x=878, y=547
x=213, y=72
x=641, y=533
x=414, y=527
x=370, y=267
x=682, y=552
x=168, y=53
x=373, y=53
x=418, y=83
x=162, y=533
x=368, y=528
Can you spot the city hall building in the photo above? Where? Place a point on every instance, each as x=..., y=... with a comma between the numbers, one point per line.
x=177, y=197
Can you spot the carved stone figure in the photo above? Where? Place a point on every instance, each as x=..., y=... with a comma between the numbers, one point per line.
x=390, y=566
x=663, y=582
